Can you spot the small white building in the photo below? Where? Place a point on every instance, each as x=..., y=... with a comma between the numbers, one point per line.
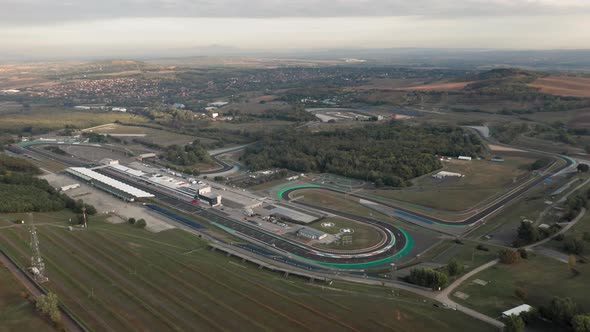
x=464, y=158
x=71, y=186
x=146, y=156
x=311, y=233
x=517, y=310
x=119, y=109
x=444, y=174
x=214, y=115
x=218, y=104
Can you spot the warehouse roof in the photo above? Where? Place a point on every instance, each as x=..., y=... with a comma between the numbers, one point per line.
x=90, y=174
x=311, y=232
x=517, y=310
x=127, y=170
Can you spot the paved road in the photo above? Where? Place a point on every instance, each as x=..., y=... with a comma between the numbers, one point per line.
x=443, y=296
x=424, y=220
x=561, y=231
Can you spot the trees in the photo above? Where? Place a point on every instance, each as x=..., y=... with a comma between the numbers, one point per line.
x=539, y=163
x=454, y=267
x=140, y=223
x=49, y=305
x=508, y=256
x=560, y=310
x=581, y=323
x=188, y=155
x=513, y=324
x=528, y=233
x=428, y=278
x=583, y=168
x=573, y=246
x=387, y=153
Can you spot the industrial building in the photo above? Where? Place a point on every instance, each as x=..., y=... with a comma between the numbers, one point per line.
x=444, y=174
x=146, y=156
x=517, y=310
x=311, y=233
x=115, y=187
x=286, y=214
x=71, y=186
x=464, y=158
x=212, y=199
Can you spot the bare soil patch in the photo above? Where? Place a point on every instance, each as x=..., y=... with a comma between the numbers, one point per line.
x=563, y=86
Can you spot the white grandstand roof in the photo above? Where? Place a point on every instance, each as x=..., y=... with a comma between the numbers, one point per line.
x=110, y=182
x=128, y=170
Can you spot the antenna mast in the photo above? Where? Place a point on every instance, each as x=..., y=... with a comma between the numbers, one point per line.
x=37, y=265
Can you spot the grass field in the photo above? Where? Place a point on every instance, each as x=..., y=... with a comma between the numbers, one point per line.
x=16, y=312
x=364, y=236
x=160, y=137
x=577, y=231
x=483, y=180
x=116, y=277
x=542, y=277
x=337, y=201
x=466, y=254
x=52, y=119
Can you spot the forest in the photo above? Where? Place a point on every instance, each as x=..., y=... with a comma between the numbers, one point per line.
x=22, y=191
x=387, y=153
x=188, y=155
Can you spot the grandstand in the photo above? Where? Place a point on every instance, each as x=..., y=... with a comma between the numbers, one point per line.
x=108, y=184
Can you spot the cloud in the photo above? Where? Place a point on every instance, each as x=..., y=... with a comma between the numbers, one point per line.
x=39, y=12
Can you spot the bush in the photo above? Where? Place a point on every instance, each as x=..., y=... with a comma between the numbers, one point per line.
x=48, y=305
x=581, y=323
x=524, y=254
x=508, y=256
x=586, y=236
x=521, y=293
x=482, y=247
x=140, y=223
x=454, y=268
x=573, y=246
x=514, y=324
x=131, y=221
x=559, y=237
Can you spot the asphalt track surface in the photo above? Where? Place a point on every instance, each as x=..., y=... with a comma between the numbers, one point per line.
x=395, y=243
x=395, y=238
x=425, y=219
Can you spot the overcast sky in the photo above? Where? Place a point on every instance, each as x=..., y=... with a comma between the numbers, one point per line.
x=86, y=27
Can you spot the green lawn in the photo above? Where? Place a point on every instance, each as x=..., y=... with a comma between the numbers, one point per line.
x=483, y=179
x=337, y=201
x=122, y=278
x=542, y=277
x=364, y=236
x=157, y=136
x=53, y=119
x=466, y=254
